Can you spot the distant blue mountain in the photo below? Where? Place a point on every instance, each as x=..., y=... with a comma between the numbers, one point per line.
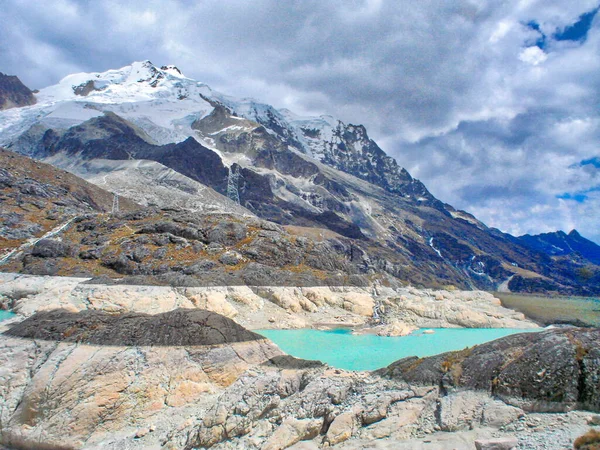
x=559, y=243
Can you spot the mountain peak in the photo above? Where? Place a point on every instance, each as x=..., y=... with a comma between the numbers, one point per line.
x=559, y=243
x=138, y=81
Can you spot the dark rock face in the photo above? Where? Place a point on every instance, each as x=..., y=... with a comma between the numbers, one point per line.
x=85, y=88
x=180, y=327
x=13, y=93
x=50, y=248
x=552, y=370
x=352, y=151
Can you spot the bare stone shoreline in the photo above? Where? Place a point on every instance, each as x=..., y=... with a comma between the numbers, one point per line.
x=399, y=310
x=58, y=392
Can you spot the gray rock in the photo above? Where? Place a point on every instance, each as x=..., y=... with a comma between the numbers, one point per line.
x=231, y=258
x=227, y=233
x=199, y=267
x=51, y=248
x=159, y=253
x=507, y=443
x=552, y=370
x=214, y=248
x=94, y=253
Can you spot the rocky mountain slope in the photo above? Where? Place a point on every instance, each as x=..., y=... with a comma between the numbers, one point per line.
x=315, y=173
x=36, y=198
x=13, y=93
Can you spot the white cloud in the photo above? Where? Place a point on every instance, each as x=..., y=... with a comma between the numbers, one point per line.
x=533, y=55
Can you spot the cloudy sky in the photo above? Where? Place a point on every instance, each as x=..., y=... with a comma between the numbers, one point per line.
x=494, y=105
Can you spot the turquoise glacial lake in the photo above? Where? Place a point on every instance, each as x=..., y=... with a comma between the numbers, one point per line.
x=5, y=315
x=341, y=349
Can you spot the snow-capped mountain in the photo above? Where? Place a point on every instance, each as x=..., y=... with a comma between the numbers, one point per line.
x=315, y=172
x=165, y=103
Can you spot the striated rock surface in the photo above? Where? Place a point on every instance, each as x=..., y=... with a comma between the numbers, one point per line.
x=401, y=310
x=355, y=409
x=63, y=393
x=194, y=379
x=440, y=309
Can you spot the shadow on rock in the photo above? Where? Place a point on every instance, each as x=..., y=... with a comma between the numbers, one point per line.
x=289, y=362
x=180, y=327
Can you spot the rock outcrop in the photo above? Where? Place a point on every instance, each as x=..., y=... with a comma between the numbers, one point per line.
x=13, y=93
x=191, y=378
x=279, y=408
x=180, y=327
x=36, y=197
x=400, y=309
x=58, y=392
x=554, y=370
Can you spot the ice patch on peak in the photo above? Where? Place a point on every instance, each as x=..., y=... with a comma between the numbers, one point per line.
x=141, y=71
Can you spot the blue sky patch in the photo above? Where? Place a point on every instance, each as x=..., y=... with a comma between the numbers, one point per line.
x=595, y=161
x=579, y=30
x=541, y=40
x=580, y=196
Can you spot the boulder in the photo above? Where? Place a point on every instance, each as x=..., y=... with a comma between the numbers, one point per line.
x=227, y=233
x=461, y=410
x=396, y=329
x=231, y=258
x=245, y=296
x=341, y=428
x=359, y=303
x=51, y=248
x=215, y=301
x=498, y=414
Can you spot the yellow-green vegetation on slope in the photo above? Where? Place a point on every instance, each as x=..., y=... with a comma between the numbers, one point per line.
x=184, y=248
x=36, y=198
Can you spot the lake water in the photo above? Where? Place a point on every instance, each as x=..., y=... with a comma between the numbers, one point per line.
x=344, y=350
x=5, y=315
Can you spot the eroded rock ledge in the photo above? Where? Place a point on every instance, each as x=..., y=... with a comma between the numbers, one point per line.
x=255, y=307
x=550, y=371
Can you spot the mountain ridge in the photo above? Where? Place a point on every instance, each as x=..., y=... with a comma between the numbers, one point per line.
x=309, y=172
x=559, y=243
